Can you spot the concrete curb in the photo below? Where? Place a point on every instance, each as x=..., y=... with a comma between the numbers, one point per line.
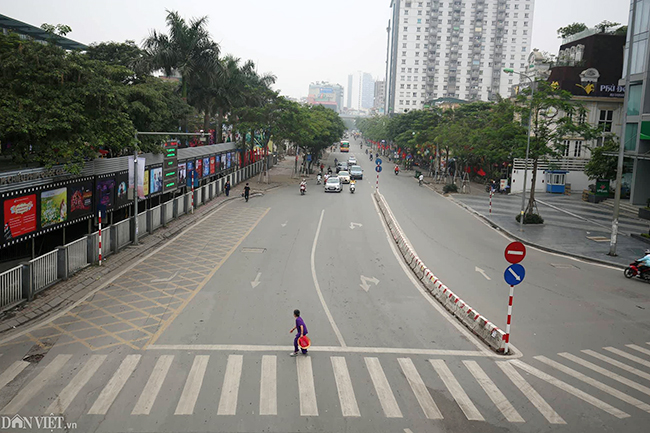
x=479, y=325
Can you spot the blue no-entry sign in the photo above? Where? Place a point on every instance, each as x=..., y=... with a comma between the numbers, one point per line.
x=378, y=161
x=514, y=274
x=378, y=169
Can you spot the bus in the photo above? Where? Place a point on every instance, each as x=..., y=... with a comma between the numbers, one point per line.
x=345, y=146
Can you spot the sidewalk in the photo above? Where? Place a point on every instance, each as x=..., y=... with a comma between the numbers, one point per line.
x=66, y=293
x=571, y=226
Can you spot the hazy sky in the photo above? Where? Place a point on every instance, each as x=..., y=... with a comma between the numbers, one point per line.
x=297, y=40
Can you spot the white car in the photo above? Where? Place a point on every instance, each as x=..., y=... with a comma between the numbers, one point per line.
x=333, y=184
x=344, y=176
x=352, y=161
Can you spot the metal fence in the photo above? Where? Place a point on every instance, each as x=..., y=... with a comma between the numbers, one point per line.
x=21, y=283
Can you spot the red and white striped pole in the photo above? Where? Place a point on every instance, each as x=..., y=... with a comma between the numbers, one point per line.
x=100, y=238
x=491, y=192
x=192, y=205
x=377, y=184
x=507, y=336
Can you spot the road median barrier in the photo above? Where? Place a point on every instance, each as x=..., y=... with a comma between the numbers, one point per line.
x=472, y=319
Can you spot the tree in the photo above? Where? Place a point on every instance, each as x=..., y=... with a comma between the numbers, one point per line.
x=604, y=26
x=571, y=29
x=602, y=166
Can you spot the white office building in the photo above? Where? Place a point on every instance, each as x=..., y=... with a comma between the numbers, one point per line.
x=455, y=49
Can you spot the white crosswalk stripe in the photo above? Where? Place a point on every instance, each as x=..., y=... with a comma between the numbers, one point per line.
x=192, y=386
x=419, y=389
x=306, y=389
x=114, y=386
x=35, y=385
x=618, y=364
x=639, y=348
x=456, y=391
x=533, y=396
x=63, y=400
x=268, y=386
x=628, y=356
x=382, y=387
x=230, y=388
x=10, y=373
x=349, y=406
x=497, y=397
x=152, y=388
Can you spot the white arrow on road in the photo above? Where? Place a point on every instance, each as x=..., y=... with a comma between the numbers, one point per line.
x=257, y=280
x=364, y=282
x=514, y=274
x=285, y=223
x=482, y=272
x=353, y=225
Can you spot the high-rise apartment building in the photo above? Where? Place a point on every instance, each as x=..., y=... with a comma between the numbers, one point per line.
x=349, y=104
x=380, y=96
x=455, y=48
x=367, y=91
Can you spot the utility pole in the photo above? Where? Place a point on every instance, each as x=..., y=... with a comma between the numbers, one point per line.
x=621, y=148
x=387, y=63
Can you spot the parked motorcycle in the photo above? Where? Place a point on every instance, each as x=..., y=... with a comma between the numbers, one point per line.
x=633, y=271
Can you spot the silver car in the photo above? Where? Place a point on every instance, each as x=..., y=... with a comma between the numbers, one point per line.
x=352, y=161
x=344, y=176
x=333, y=184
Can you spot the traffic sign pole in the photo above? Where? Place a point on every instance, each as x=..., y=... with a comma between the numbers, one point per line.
x=507, y=336
x=490, y=201
x=514, y=274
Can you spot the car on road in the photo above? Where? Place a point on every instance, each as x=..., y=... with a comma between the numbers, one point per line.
x=356, y=172
x=352, y=161
x=344, y=176
x=333, y=184
x=341, y=166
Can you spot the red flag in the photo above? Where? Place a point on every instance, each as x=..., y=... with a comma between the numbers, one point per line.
x=480, y=172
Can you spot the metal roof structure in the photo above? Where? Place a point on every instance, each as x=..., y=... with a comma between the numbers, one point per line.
x=39, y=34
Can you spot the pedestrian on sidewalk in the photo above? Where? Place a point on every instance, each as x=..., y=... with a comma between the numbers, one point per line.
x=226, y=188
x=301, y=329
x=247, y=191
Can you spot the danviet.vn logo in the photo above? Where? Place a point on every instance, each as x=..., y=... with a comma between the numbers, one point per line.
x=47, y=422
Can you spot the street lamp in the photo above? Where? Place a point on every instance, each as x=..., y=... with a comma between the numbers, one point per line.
x=530, y=120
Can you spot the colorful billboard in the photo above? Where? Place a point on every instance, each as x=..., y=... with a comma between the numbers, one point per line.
x=80, y=197
x=182, y=174
x=105, y=193
x=121, y=190
x=190, y=172
x=223, y=161
x=54, y=207
x=213, y=166
x=206, y=167
x=199, y=168
x=19, y=216
x=228, y=159
x=145, y=183
x=155, y=180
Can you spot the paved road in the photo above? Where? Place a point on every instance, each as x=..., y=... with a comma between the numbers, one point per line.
x=195, y=337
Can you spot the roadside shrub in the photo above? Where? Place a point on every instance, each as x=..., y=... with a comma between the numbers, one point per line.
x=450, y=187
x=531, y=218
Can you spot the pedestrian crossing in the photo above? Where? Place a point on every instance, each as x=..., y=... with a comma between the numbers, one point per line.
x=483, y=390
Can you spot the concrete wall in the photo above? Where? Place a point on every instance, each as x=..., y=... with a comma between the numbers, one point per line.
x=577, y=179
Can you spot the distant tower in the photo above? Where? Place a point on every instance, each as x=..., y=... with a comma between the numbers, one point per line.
x=367, y=91
x=350, y=78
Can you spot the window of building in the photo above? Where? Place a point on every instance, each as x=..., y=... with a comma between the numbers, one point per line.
x=417, y=54
x=409, y=70
x=408, y=102
x=404, y=45
x=605, y=120
x=419, y=29
x=401, y=86
x=403, y=69
x=582, y=118
x=631, y=132
x=406, y=20
x=406, y=29
x=403, y=61
x=634, y=100
x=415, y=94
x=525, y=32
x=417, y=37
x=403, y=53
x=566, y=147
x=417, y=62
x=577, y=149
x=516, y=6
x=404, y=37
x=415, y=70
x=401, y=102
x=419, y=20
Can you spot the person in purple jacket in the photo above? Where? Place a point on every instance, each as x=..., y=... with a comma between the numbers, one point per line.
x=301, y=329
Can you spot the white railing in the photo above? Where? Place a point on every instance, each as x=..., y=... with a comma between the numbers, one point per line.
x=155, y=217
x=142, y=225
x=106, y=242
x=11, y=286
x=205, y=194
x=77, y=252
x=44, y=270
x=197, y=196
x=570, y=164
x=169, y=211
x=180, y=205
x=123, y=233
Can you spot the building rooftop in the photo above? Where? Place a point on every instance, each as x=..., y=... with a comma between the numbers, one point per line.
x=39, y=34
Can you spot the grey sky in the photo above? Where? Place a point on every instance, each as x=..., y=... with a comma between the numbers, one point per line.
x=299, y=41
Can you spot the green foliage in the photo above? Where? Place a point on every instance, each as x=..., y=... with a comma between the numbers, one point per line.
x=450, y=187
x=571, y=29
x=531, y=218
x=602, y=166
x=605, y=25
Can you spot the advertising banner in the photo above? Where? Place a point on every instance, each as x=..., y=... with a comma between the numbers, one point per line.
x=199, y=168
x=80, y=197
x=190, y=170
x=155, y=178
x=121, y=196
x=213, y=166
x=206, y=167
x=141, y=163
x=228, y=159
x=145, y=183
x=19, y=216
x=105, y=194
x=182, y=174
x=223, y=161
x=54, y=207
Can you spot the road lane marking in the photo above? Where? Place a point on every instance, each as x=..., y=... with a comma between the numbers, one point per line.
x=607, y=373
x=207, y=278
x=364, y=282
x=349, y=406
x=10, y=373
x=628, y=356
x=152, y=388
x=256, y=282
x=618, y=364
x=456, y=391
x=570, y=389
x=482, y=272
x=268, y=386
x=230, y=388
x=433, y=302
x=114, y=386
x=306, y=390
x=29, y=391
x=382, y=387
x=595, y=383
x=495, y=394
x=639, y=349
x=533, y=396
x=336, y=349
x=65, y=397
x=192, y=386
x=418, y=387
x=339, y=336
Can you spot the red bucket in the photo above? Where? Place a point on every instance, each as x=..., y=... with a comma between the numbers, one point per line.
x=304, y=342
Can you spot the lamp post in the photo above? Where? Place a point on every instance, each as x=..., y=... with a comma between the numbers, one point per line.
x=530, y=120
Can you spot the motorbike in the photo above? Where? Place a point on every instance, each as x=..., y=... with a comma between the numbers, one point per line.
x=318, y=180
x=352, y=188
x=420, y=182
x=633, y=271
x=396, y=171
x=303, y=189
x=371, y=156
